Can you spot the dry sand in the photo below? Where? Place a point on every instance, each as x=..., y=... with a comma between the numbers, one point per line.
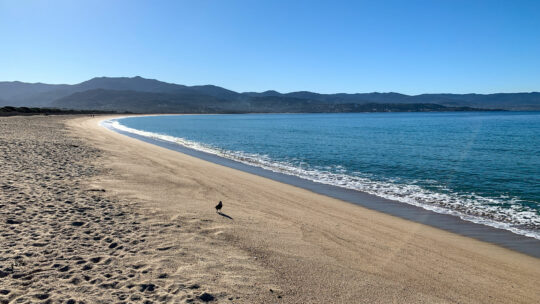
x=276, y=244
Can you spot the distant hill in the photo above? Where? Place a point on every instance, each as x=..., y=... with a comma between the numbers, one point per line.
x=39, y=94
x=28, y=94
x=147, y=102
x=143, y=95
x=507, y=101
x=141, y=102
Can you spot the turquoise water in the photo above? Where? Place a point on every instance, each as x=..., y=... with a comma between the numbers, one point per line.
x=482, y=167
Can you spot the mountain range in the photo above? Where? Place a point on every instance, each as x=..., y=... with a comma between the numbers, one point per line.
x=141, y=95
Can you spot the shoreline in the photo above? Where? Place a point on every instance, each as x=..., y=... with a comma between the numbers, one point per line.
x=278, y=242
x=451, y=223
x=66, y=239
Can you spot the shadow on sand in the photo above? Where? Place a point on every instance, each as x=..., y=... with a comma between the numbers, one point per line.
x=224, y=215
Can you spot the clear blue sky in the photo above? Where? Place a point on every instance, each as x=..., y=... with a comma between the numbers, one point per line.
x=405, y=46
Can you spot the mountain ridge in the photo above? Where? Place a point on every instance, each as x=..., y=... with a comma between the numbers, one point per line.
x=138, y=94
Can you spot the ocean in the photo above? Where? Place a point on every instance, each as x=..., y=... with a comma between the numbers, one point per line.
x=483, y=167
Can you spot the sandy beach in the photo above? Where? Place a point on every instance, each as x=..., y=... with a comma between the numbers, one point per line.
x=92, y=216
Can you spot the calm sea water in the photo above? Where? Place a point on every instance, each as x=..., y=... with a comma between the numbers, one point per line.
x=482, y=167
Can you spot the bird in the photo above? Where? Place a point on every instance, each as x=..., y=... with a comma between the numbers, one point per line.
x=219, y=206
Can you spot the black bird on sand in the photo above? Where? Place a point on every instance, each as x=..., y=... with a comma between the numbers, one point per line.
x=219, y=206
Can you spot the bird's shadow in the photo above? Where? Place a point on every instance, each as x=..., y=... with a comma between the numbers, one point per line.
x=224, y=215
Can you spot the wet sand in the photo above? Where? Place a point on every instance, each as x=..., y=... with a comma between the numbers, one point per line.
x=275, y=243
x=501, y=237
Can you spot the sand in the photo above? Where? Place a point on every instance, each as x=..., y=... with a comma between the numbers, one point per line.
x=95, y=216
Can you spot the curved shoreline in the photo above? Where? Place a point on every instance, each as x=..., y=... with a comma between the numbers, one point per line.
x=303, y=246
x=451, y=223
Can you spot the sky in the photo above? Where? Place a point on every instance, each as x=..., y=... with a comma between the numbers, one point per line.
x=409, y=46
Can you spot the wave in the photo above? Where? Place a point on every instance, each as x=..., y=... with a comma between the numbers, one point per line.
x=470, y=207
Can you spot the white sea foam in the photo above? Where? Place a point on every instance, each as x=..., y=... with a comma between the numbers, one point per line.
x=470, y=207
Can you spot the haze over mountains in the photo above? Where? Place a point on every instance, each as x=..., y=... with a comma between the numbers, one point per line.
x=140, y=95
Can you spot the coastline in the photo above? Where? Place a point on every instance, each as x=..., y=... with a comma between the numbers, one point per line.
x=452, y=223
x=308, y=240
x=65, y=239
